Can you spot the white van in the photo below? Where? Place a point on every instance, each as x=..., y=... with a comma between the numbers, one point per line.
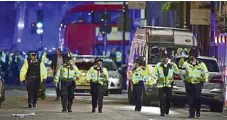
x=147, y=43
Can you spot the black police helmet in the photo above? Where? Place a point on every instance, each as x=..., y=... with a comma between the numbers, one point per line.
x=97, y=59
x=68, y=56
x=139, y=60
x=194, y=52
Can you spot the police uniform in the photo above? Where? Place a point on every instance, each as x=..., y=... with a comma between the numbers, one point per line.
x=163, y=73
x=34, y=71
x=196, y=74
x=98, y=76
x=139, y=76
x=42, y=89
x=66, y=76
x=118, y=58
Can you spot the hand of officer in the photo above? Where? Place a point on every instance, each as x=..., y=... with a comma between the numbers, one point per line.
x=23, y=82
x=204, y=83
x=172, y=83
x=56, y=85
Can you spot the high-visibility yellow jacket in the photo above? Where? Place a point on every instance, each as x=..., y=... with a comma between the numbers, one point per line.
x=67, y=73
x=44, y=58
x=96, y=76
x=139, y=74
x=197, y=73
x=118, y=56
x=161, y=79
x=24, y=69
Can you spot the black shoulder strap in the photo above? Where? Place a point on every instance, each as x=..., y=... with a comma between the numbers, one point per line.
x=29, y=61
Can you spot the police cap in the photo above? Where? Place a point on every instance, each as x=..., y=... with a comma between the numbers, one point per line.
x=194, y=52
x=139, y=60
x=33, y=53
x=68, y=56
x=97, y=59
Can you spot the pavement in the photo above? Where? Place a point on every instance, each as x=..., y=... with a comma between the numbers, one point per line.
x=115, y=108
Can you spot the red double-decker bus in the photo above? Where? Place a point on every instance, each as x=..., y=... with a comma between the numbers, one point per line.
x=83, y=33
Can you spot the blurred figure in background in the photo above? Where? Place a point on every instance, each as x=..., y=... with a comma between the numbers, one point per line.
x=57, y=61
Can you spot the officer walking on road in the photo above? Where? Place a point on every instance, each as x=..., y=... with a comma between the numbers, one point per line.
x=34, y=71
x=98, y=76
x=196, y=74
x=163, y=73
x=66, y=76
x=139, y=76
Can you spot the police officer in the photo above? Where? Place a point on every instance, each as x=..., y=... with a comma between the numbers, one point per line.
x=34, y=71
x=196, y=74
x=66, y=76
x=139, y=76
x=98, y=76
x=163, y=73
x=118, y=58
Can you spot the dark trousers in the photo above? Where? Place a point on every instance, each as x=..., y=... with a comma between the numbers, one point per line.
x=138, y=90
x=33, y=84
x=67, y=93
x=42, y=90
x=194, y=97
x=165, y=97
x=97, y=91
x=58, y=91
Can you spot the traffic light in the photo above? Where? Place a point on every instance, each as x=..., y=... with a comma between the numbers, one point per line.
x=39, y=24
x=105, y=20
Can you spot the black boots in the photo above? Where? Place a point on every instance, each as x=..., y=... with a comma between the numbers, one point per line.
x=137, y=109
x=198, y=114
x=29, y=105
x=167, y=112
x=100, y=111
x=69, y=109
x=162, y=114
x=191, y=114
x=93, y=110
x=34, y=105
x=64, y=109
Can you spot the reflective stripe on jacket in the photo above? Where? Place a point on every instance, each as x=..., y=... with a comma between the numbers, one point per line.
x=97, y=76
x=139, y=74
x=161, y=79
x=197, y=73
x=67, y=73
x=118, y=56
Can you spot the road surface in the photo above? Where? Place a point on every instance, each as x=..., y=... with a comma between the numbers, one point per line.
x=115, y=108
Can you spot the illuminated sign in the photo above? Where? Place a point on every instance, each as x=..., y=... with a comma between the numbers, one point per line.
x=115, y=35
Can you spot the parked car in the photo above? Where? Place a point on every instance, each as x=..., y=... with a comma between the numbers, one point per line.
x=213, y=92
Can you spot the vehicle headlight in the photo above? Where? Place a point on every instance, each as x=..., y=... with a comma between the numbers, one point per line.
x=216, y=91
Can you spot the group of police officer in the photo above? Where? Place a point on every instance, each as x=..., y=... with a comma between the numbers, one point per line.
x=34, y=72
x=195, y=76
